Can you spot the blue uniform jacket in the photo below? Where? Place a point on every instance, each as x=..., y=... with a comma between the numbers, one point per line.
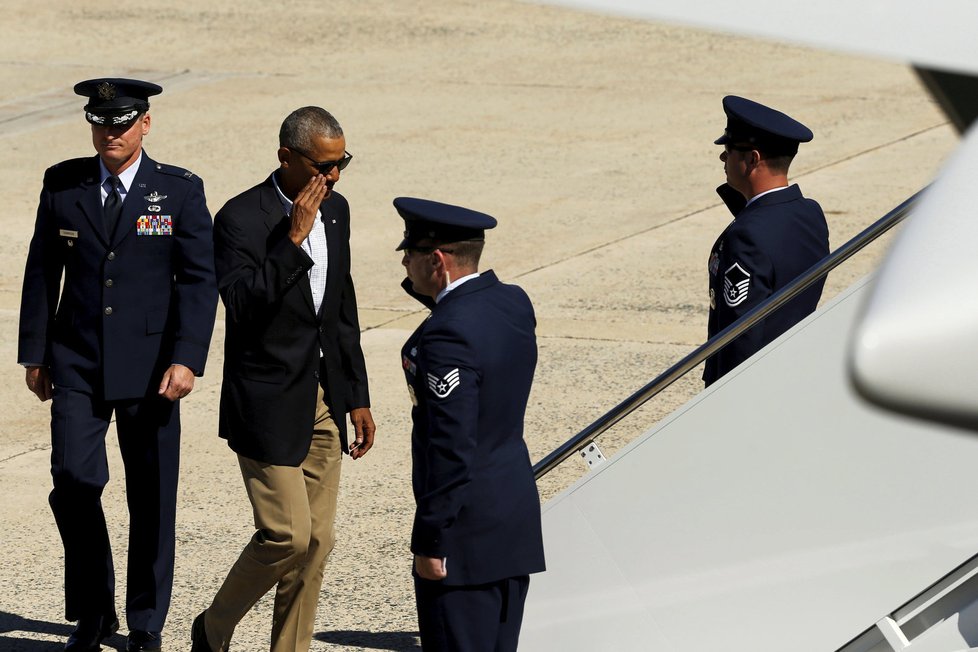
x=133, y=303
x=770, y=243
x=469, y=367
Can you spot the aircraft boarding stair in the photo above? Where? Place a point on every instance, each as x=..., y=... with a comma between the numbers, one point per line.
x=776, y=511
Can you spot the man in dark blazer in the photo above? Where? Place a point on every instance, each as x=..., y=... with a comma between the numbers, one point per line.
x=777, y=234
x=127, y=334
x=293, y=369
x=469, y=367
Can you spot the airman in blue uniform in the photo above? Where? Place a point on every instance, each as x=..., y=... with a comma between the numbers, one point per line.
x=777, y=234
x=477, y=536
x=126, y=334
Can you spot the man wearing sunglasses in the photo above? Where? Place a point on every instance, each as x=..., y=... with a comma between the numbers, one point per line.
x=477, y=536
x=776, y=235
x=293, y=370
x=124, y=337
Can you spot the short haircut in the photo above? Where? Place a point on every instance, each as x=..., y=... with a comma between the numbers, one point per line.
x=303, y=125
x=779, y=162
x=466, y=252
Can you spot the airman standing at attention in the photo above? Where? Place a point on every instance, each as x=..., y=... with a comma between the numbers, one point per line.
x=776, y=235
x=477, y=536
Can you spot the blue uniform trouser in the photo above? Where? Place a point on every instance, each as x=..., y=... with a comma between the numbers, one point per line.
x=149, y=439
x=480, y=618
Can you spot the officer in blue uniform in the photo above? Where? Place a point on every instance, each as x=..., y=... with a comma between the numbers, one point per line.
x=777, y=234
x=124, y=337
x=476, y=535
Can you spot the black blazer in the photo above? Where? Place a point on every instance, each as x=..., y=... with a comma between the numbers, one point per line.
x=134, y=301
x=271, y=350
x=469, y=368
x=769, y=244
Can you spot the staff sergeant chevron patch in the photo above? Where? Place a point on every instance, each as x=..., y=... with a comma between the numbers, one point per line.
x=442, y=387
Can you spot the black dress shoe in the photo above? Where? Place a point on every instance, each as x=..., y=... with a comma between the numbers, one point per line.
x=140, y=641
x=90, y=632
x=198, y=635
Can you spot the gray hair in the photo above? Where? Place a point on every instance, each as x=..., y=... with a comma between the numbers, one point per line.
x=302, y=125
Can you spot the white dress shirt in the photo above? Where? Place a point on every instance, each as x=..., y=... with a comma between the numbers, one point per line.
x=126, y=177
x=315, y=246
x=454, y=284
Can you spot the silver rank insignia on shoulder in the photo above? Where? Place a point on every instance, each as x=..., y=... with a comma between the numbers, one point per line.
x=736, y=282
x=442, y=387
x=154, y=197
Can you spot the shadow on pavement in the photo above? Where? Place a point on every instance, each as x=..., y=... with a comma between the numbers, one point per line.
x=13, y=623
x=393, y=641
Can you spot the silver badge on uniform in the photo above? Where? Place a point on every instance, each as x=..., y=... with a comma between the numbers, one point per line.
x=736, y=282
x=70, y=235
x=154, y=197
x=442, y=387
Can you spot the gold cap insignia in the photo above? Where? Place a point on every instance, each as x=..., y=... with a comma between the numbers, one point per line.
x=106, y=91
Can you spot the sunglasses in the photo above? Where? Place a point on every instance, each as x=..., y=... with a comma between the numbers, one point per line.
x=325, y=167
x=426, y=250
x=740, y=148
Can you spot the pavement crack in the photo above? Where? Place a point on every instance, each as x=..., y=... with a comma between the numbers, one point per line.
x=26, y=452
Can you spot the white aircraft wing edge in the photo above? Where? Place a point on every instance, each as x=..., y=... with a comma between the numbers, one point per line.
x=928, y=34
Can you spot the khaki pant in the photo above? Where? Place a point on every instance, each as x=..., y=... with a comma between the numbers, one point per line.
x=294, y=511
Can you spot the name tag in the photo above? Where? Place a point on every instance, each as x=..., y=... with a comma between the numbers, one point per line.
x=154, y=225
x=67, y=233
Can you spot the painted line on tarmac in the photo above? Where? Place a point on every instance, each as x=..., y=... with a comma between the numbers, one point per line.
x=56, y=106
x=693, y=213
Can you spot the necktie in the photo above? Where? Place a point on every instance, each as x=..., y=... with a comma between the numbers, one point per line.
x=112, y=207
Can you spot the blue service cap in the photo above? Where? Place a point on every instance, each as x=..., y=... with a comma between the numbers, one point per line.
x=425, y=219
x=756, y=124
x=116, y=102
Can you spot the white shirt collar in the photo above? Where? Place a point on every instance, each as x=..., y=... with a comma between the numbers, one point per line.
x=126, y=176
x=766, y=192
x=454, y=284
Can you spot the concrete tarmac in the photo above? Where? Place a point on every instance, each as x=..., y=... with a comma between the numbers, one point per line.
x=588, y=137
